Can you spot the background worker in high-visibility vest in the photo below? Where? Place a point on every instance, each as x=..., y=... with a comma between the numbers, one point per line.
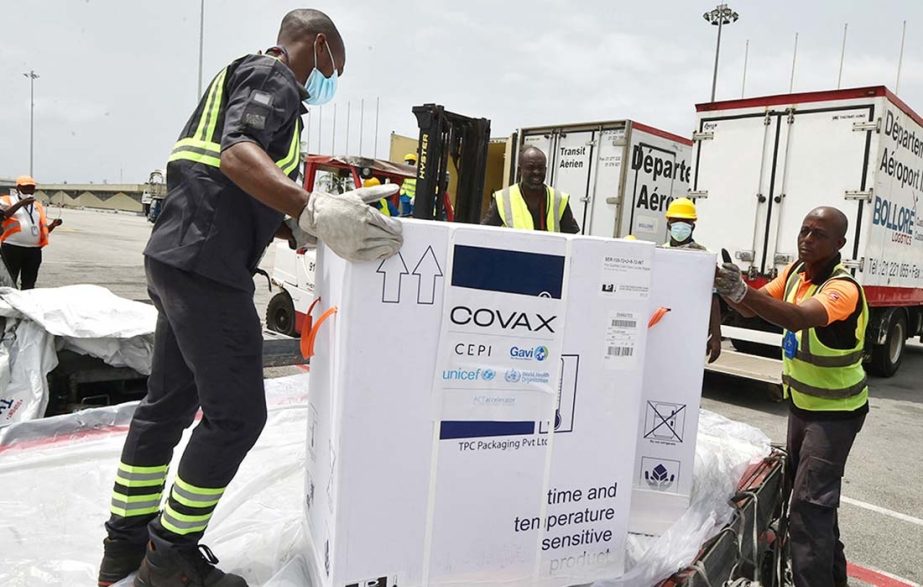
x=25, y=232
x=383, y=205
x=530, y=204
x=681, y=218
x=408, y=188
x=823, y=312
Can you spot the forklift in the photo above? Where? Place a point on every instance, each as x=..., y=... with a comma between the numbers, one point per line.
x=443, y=135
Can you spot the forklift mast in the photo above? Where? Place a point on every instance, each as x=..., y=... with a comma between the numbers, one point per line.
x=445, y=134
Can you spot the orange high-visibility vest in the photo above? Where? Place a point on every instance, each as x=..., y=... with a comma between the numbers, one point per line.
x=12, y=226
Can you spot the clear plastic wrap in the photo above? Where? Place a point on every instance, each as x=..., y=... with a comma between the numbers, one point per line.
x=724, y=450
x=86, y=319
x=56, y=476
x=56, y=480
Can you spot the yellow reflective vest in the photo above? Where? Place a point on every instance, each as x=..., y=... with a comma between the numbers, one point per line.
x=820, y=378
x=514, y=212
x=409, y=188
x=204, y=146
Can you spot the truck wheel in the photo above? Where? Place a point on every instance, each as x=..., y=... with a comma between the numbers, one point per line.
x=280, y=314
x=887, y=357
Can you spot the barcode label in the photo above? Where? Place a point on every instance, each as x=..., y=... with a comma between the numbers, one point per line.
x=622, y=332
x=621, y=351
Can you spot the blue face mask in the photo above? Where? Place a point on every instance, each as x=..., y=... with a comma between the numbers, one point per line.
x=680, y=231
x=321, y=89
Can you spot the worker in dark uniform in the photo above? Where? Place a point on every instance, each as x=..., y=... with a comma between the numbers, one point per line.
x=230, y=182
x=530, y=204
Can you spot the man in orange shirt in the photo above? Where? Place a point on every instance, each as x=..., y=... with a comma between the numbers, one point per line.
x=823, y=312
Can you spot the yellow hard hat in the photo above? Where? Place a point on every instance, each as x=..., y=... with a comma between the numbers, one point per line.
x=683, y=208
x=24, y=180
x=372, y=181
x=630, y=237
x=410, y=157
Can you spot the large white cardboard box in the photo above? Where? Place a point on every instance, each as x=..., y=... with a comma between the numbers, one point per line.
x=473, y=409
x=673, y=372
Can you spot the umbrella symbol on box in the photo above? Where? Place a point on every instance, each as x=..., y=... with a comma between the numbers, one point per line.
x=660, y=474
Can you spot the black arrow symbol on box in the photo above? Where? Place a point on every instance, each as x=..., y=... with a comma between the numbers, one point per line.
x=392, y=270
x=427, y=272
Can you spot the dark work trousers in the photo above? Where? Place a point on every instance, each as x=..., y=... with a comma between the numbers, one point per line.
x=208, y=347
x=817, y=459
x=23, y=261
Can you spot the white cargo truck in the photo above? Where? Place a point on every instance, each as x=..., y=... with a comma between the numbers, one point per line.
x=760, y=164
x=621, y=175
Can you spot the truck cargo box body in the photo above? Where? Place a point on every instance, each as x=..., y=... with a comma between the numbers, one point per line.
x=621, y=175
x=761, y=164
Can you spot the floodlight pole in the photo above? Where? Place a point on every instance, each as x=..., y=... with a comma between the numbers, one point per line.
x=32, y=77
x=719, y=17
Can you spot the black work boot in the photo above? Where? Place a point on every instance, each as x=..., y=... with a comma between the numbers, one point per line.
x=120, y=559
x=167, y=565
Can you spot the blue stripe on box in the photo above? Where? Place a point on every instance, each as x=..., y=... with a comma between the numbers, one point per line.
x=517, y=272
x=475, y=429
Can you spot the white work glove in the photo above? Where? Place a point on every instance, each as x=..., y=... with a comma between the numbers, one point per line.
x=302, y=239
x=730, y=283
x=348, y=225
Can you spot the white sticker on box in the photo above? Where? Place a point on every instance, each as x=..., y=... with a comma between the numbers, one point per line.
x=625, y=277
x=500, y=343
x=620, y=349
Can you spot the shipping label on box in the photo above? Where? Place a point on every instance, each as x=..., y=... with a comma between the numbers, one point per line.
x=502, y=328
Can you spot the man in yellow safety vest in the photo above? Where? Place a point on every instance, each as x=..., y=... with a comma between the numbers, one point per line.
x=823, y=312
x=530, y=204
x=383, y=205
x=408, y=187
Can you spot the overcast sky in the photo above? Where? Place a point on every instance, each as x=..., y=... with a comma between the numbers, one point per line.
x=119, y=77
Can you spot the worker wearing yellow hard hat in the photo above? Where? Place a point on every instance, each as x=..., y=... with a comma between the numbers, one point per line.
x=382, y=205
x=409, y=187
x=681, y=218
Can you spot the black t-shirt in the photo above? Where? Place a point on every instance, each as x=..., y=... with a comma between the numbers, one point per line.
x=208, y=225
x=539, y=216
